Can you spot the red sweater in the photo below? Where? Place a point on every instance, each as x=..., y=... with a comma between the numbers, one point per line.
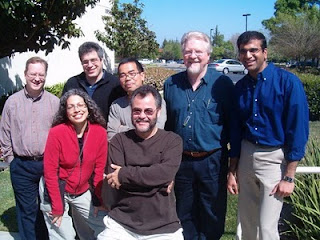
x=62, y=155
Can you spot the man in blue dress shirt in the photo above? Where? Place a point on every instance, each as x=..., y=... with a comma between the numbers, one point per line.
x=269, y=133
x=198, y=109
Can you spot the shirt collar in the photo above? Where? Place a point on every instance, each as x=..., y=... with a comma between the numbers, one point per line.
x=266, y=73
x=33, y=98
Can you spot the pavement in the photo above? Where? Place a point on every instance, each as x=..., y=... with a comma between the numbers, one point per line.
x=9, y=236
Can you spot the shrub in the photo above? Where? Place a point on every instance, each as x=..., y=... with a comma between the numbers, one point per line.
x=311, y=85
x=56, y=89
x=155, y=76
x=305, y=200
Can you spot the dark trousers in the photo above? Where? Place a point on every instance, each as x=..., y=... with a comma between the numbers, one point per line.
x=25, y=176
x=200, y=188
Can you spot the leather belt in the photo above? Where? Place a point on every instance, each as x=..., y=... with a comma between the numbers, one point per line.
x=30, y=158
x=200, y=154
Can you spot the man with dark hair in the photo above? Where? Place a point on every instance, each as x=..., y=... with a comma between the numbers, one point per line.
x=26, y=119
x=198, y=109
x=141, y=165
x=102, y=86
x=269, y=134
x=131, y=75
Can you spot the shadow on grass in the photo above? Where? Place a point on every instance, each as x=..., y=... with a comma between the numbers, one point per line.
x=8, y=219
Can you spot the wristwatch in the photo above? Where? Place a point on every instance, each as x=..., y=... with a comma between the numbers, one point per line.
x=288, y=179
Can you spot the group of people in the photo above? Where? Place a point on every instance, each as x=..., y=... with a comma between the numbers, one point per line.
x=116, y=160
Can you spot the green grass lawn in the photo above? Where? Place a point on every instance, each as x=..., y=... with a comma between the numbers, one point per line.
x=7, y=203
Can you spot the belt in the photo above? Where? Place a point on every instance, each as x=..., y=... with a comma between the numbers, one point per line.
x=30, y=158
x=200, y=154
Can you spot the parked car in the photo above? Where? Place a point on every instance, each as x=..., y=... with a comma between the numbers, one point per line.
x=145, y=61
x=228, y=65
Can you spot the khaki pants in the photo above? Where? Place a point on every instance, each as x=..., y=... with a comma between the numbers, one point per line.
x=260, y=169
x=115, y=231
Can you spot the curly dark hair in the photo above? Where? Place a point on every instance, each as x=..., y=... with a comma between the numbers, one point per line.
x=94, y=115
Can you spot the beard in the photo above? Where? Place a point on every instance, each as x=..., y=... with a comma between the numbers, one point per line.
x=145, y=128
x=194, y=68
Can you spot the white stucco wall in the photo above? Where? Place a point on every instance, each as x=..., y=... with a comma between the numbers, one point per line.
x=62, y=63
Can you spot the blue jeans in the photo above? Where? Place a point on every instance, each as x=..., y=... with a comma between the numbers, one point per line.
x=200, y=188
x=25, y=176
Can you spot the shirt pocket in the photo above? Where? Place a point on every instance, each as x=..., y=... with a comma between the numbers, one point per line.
x=210, y=111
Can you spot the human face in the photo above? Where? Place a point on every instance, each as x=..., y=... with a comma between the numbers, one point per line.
x=92, y=66
x=77, y=110
x=253, y=57
x=195, y=56
x=144, y=115
x=35, y=76
x=130, y=83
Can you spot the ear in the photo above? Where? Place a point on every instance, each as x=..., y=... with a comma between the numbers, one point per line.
x=158, y=113
x=142, y=76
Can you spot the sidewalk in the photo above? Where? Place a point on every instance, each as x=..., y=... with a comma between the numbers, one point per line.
x=9, y=236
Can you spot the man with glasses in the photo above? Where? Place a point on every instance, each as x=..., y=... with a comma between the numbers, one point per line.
x=131, y=75
x=141, y=165
x=198, y=109
x=100, y=85
x=26, y=119
x=269, y=134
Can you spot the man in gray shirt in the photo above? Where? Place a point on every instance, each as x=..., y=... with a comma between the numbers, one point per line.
x=131, y=75
x=24, y=126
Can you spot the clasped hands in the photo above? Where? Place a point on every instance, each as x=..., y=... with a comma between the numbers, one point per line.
x=113, y=178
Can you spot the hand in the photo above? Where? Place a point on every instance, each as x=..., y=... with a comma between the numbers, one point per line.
x=170, y=187
x=232, y=184
x=56, y=219
x=113, y=179
x=283, y=189
x=97, y=209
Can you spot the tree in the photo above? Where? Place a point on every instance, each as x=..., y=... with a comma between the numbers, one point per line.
x=171, y=50
x=295, y=29
x=38, y=24
x=127, y=33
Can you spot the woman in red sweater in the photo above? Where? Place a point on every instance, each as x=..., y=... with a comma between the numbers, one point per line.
x=76, y=153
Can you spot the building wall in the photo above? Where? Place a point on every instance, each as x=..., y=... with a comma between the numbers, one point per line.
x=62, y=63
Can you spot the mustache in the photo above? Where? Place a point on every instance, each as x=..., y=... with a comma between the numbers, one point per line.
x=142, y=120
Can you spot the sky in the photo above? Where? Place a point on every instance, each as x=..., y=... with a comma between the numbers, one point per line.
x=170, y=19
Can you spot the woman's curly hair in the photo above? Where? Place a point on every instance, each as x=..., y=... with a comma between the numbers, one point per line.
x=94, y=115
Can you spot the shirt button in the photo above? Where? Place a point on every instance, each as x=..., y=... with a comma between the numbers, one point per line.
x=264, y=78
x=256, y=100
x=256, y=129
x=189, y=126
x=255, y=114
x=192, y=100
x=189, y=139
x=256, y=142
x=190, y=113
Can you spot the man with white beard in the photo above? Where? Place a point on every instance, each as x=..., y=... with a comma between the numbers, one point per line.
x=198, y=109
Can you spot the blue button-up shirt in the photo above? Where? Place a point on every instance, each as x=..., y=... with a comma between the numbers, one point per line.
x=200, y=117
x=271, y=111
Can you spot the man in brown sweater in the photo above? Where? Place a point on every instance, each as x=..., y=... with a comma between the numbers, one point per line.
x=141, y=164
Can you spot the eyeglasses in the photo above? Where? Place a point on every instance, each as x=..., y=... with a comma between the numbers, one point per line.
x=35, y=75
x=79, y=106
x=197, y=53
x=128, y=75
x=252, y=51
x=93, y=61
x=148, y=111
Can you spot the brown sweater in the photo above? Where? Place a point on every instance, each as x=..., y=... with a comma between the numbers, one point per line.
x=142, y=204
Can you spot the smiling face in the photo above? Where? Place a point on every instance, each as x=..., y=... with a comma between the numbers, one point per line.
x=253, y=57
x=35, y=76
x=130, y=77
x=92, y=66
x=144, y=115
x=195, y=56
x=77, y=111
